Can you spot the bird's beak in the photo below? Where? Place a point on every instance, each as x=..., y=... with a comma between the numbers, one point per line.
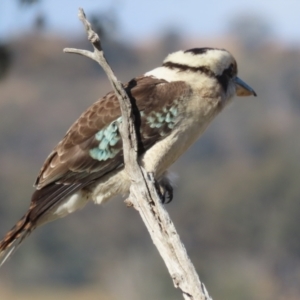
x=242, y=88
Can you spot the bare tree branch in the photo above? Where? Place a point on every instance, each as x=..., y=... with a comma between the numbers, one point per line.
x=143, y=195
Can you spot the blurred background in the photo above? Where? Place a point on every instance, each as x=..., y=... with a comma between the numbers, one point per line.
x=237, y=201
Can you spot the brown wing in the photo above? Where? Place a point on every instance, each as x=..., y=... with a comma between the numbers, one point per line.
x=92, y=147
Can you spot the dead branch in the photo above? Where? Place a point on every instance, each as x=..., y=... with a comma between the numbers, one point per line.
x=143, y=195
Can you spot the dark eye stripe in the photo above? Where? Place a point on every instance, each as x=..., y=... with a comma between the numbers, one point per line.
x=183, y=68
x=229, y=71
x=225, y=77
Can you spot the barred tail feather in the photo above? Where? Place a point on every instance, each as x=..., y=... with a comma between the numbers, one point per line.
x=14, y=238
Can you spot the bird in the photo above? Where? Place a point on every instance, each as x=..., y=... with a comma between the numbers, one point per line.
x=173, y=104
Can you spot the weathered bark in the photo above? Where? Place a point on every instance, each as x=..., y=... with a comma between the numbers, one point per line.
x=143, y=195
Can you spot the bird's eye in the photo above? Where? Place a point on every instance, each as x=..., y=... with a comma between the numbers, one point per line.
x=230, y=71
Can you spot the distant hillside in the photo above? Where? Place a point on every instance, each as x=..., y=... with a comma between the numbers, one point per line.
x=237, y=201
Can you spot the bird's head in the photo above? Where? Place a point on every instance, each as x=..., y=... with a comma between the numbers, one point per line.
x=205, y=67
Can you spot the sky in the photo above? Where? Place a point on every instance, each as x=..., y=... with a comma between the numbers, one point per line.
x=137, y=19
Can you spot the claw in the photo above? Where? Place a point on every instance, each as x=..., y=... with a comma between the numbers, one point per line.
x=165, y=189
x=167, y=194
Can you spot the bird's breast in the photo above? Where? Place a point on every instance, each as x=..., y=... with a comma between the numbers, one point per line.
x=193, y=118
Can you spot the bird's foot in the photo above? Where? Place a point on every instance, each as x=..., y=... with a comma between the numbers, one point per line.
x=165, y=189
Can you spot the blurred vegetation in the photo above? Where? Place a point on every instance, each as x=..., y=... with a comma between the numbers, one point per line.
x=237, y=201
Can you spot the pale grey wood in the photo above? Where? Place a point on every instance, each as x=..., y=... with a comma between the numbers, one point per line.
x=143, y=195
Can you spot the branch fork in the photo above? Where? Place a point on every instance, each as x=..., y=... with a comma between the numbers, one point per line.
x=143, y=194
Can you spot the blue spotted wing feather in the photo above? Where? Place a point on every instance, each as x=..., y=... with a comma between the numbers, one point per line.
x=92, y=147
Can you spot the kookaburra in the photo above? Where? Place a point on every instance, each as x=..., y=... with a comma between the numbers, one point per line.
x=175, y=102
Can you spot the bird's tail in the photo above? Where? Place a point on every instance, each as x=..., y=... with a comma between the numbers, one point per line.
x=14, y=238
